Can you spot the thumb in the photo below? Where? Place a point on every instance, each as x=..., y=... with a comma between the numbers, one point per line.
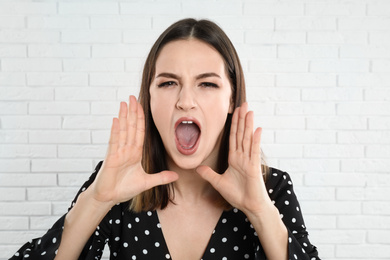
x=161, y=178
x=209, y=175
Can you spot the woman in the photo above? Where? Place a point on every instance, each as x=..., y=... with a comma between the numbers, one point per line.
x=209, y=196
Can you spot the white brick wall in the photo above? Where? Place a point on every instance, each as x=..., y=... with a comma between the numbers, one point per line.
x=318, y=75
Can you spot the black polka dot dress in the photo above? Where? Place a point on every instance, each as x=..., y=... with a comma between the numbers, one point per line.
x=133, y=236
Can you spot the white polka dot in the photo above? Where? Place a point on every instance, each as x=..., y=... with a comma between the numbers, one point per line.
x=129, y=225
x=54, y=240
x=17, y=254
x=281, y=216
x=304, y=244
x=270, y=191
x=224, y=258
x=224, y=220
x=137, y=219
x=287, y=202
x=97, y=233
x=26, y=256
x=303, y=250
x=235, y=229
x=293, y=220
x=295, y=256
x=43, y=253
x=289, y=239
x=244, y=238
x=157, y=244
x=235, y=248
x=136, y=238
x=246, y=256
x=275, y=174
x=297, y=208
x=158, y=225
x=39, y=241
x=114, y=254
x=288, y=191
x=110, y=221
x=289, y=182
x=133, y=257
x=255, y=233
x=235, y=210
x=294, y=232
x=117, y=239
x=212, y=250
x=147, y=232
x=125, y=244
x=167, y=256
x=224, y=239
x=284, y=176
x=149, y=213
x=145, y=252
x=117, y=221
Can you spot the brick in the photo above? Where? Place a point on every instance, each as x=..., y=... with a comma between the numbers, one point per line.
x=60, y=208
x=72, y=179
x=305, y=136
x=272, y=37
x=282, y=122
x=61, y=165
x=31, y=122
x=121, y=22
x=339, y=237
x=24, y=208
x=339, y=66
x=377, y=207
x=12, y=79
x=364, y=23
x=284, y=8
x=336, y=179
x=363, y=251
x=90, y=65
x=14, y=165
x=379, y=123
x=332, y=94
x=123, y=93
x=378, y=8
x=380, y=66
x=309, y=165
x=12, y=22
x=305, y=23
x=112, y=79
x=282, y=150
x=27, y=8
x=345, y=209
x=379, y=38
x=365, y=51
x=246, y=22
x=59, y=136
x=302, y=108
x=59, y=51
x=333, y=151
x=340, y=37
x=104, y=108
x=56, y=79
x=100, y=136
x=42, y=223
x=306, y=80
x=336, y=122
x=256, y=80
x=37, y=64
x=271, y=94
x=82, y=151
x=320, y=222
x=13, y=108
x=365, y=165
x=77, y=8
x=134, y=65
x=87, y=122
x=51, y=194
x=364, y=137
x=12, y=194
x=119, y=51
x=338, y=8
x=378, y=180
x=378, y=236
x=58, y=108
x=13, y=223
x=28, y=36
x=316, y=193
x=29, y=151
x=262, y=108
x=159, y=8
x=91, y=36
x=25, y=93
x=307, y=51
x=8, y=238
x=377, y=80
x=12, y=137
x=362, y=193
x=13, y=51
x=378, y=151
x=27, y=179
x=278, y=66
x=85, y=93
x=57, y=22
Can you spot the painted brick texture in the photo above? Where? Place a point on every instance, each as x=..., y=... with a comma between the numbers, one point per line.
x=318, y=79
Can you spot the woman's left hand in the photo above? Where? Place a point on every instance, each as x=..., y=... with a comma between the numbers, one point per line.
x=242, y=185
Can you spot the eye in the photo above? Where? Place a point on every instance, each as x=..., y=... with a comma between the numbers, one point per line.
x=166, y=84
x=208, y=85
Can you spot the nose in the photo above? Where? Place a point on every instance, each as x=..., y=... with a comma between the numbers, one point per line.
x=186, y=99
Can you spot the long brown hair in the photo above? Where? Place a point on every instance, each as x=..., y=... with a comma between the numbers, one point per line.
x=154, y=155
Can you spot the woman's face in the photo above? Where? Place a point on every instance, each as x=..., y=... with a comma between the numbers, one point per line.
x=190, y=100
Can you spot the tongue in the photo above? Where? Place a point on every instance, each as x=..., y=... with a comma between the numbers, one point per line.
x=187, y=135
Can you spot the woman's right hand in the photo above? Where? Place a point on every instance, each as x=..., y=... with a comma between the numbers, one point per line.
x=122, y=176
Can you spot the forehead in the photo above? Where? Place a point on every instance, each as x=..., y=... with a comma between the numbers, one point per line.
x=191, y=53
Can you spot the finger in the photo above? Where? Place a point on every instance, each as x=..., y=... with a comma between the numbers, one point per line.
x=256, y=150
x=241, y=126
x=161, y=178
x=114, y=137
x=132, y=120
x=122, y=123
x=233, y=131
x=209, y=175
x=247, y=141
x=139, y=137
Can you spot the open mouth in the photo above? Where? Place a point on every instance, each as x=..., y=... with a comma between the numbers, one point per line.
x=187, y=135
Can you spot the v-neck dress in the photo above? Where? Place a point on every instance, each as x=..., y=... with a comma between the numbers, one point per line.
x=131, y=235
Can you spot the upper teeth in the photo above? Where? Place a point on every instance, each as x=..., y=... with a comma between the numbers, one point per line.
x=187, y=122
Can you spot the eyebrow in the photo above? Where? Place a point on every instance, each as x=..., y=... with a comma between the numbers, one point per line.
x=200, y=76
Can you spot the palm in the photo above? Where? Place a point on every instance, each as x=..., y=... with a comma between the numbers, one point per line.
x=242, y=184
x=122, y=176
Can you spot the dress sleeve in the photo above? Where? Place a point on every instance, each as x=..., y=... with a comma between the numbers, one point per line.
x=45, y=247
x=281, y=192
